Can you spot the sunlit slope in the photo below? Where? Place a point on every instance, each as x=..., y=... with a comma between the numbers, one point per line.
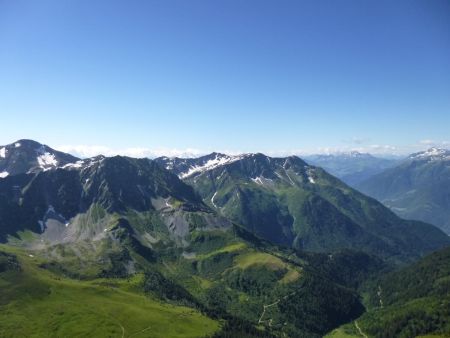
x=36, y=303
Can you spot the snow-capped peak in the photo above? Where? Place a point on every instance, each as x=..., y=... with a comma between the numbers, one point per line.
x=432, y=154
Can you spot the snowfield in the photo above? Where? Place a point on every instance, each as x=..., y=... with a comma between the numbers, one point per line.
x=47, y=160
x=218, y=161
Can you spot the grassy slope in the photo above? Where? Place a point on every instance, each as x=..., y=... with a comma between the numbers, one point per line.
x=240, y=280
x=243, y=280
x=36, y=303
x=343, y=332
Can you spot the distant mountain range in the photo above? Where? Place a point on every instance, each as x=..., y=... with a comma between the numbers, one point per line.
x=352, y=167
x=224, y=246
x=417, y=188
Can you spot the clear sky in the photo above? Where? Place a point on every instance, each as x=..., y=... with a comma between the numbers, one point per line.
x=227, y=75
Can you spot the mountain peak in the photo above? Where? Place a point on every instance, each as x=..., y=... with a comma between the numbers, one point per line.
x=26, y=142
x=355, y=153
x=432, y=154
x=26, y=155
x=249, y=164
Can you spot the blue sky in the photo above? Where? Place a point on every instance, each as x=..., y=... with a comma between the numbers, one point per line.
x=238, y=76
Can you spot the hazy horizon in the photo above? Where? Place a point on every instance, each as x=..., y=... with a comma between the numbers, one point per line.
x=86, y=151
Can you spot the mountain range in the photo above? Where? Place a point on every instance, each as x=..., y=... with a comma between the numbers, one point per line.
x=352, y=167
x=417, y=188
x=288, y=202
x=219, y=246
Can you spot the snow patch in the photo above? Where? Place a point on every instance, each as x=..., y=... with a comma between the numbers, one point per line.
x=311, y=179
x=47, y=160
x=432, y=154
x=289, y=177
x=257, y=180
x=169, y=163
x=310, y=173
x=76, y=165
x=279, y=175
x=220, y=176
x=260, y=180
x=212, y=200
x=3, y=152
x=84, y=164
x=218, y=161
x=3, y=174
x=17, y=145
x=166, y=201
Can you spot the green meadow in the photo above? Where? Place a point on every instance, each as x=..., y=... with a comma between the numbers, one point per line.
x=37, y=303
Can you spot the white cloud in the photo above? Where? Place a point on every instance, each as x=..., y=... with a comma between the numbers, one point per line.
x=433, y=143
x=375, y=149
x=427, y=142
x=384, y=148
x=284, y=153
x=84, y=151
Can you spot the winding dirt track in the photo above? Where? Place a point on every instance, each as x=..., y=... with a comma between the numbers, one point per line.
x=260, y=321
x=359, y=330
x=265, y=307
x=136, y=333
